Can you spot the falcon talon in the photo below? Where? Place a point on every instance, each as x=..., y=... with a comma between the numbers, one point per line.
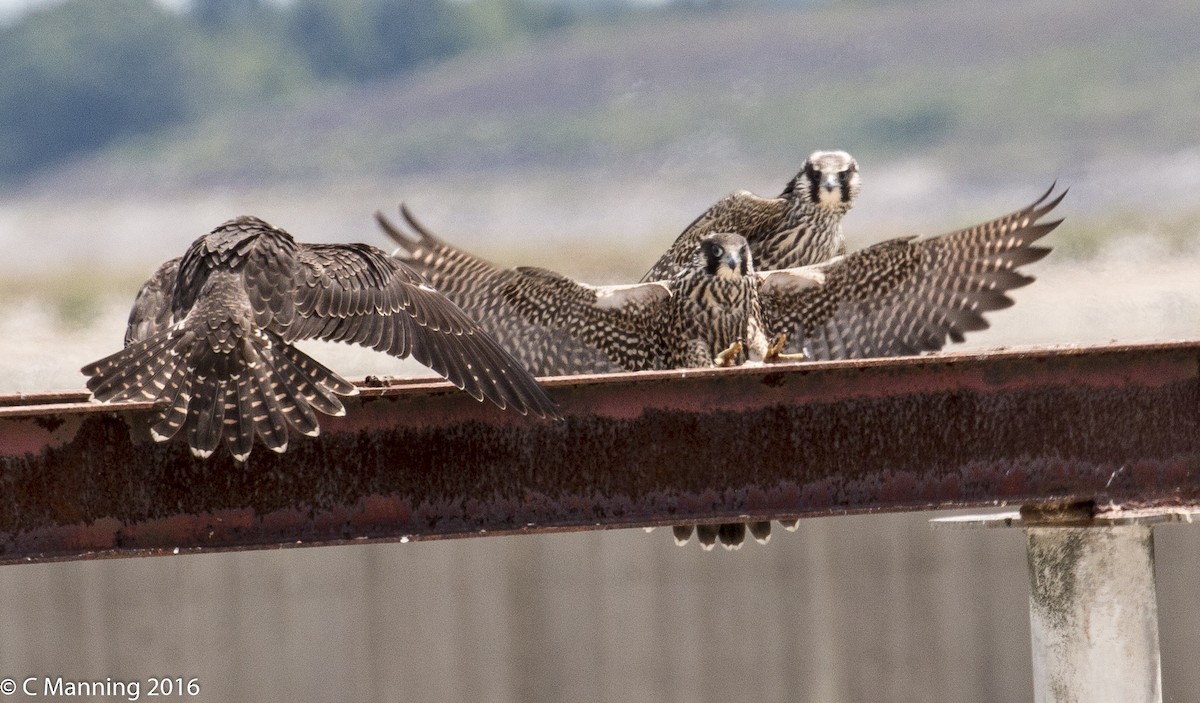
x=728, y=357
x=775, y=353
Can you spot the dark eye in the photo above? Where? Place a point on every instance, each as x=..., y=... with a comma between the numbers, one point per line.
x=717, y=251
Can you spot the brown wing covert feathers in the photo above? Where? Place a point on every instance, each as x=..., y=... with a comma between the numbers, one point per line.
x=151, y=309
x=559, y=326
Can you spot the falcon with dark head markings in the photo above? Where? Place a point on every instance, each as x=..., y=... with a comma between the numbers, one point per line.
x=688, y=321
x=901, y=296
x=800, y=227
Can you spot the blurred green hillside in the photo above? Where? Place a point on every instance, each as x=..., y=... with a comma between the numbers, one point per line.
x=989, y=90
x=78, y=75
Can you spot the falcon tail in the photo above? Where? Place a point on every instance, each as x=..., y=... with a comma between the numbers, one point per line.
x=255, y=384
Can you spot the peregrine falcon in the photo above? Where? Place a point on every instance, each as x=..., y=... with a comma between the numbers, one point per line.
x=802, y=226
x=211, y=334
x=902, y=296
x=692, y=320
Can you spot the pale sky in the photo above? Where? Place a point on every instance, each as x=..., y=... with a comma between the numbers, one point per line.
x=12, y=8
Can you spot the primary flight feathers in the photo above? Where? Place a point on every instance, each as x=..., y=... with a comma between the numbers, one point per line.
x=211, y=334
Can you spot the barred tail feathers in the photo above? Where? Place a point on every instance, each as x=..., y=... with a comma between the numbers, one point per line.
x=263, y=386
x=254, y=384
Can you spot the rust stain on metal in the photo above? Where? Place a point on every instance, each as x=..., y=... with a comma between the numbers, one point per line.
x=420, y=460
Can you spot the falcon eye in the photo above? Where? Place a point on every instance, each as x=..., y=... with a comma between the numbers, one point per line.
x=717, y=251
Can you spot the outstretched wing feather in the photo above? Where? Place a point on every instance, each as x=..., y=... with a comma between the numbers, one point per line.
x=151, y=311
x=906, y=296
x=498, y=299
x=363, y=290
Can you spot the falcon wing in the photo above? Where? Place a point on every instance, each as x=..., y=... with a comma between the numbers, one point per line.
x=358, y=294
x=462, y=277
x=906, y=296
x=620, y=322
x=151, y=310
x=514, y=306
x=741, y=213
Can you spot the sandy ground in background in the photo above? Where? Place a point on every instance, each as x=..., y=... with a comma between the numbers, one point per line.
x=1131, y=294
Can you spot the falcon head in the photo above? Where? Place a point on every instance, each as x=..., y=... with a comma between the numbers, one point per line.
x=725, y=256
x=829, y=179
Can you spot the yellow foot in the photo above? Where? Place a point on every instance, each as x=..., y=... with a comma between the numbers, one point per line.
x=775, y=352
x=729, y=357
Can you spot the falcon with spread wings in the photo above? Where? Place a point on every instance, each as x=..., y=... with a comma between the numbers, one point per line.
x=211, y=334
x=902, y=296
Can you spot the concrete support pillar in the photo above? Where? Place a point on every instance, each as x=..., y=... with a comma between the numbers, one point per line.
x=1093, y=610
x=1093, y=614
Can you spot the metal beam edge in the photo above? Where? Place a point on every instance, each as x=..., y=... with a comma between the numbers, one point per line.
x=417, y=459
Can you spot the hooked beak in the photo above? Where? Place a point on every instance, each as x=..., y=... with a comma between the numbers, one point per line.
x=731, y=265
x=831, y=182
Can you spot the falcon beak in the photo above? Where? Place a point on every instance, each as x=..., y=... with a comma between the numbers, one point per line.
x=830, y=193
x=731, y=265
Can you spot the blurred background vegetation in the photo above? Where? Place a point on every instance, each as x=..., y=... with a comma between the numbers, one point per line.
x=212, y=86
x=134, y=67
x=576, y=119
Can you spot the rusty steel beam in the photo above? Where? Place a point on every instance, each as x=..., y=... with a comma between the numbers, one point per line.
x=420, y=460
